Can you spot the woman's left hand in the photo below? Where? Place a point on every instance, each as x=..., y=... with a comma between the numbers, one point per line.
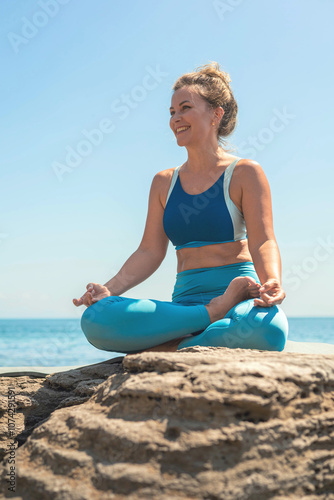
x=271, y=293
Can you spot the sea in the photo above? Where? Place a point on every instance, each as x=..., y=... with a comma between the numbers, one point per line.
x=61, y=342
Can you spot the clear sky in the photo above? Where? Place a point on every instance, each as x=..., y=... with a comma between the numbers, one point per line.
x=74, y=201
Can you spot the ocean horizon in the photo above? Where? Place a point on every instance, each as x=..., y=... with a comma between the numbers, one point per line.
x=61, y=342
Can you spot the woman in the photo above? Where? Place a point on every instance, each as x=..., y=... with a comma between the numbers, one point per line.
x=222, y=228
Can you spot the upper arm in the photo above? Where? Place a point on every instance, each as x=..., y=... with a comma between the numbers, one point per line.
x=154, y=238
x=256, y=204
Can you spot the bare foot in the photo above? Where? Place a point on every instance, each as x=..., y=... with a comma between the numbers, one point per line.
x=240, y=289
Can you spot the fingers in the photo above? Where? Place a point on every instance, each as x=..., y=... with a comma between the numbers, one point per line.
x=271, y=294
x=261, y=303
x=86, y=300
x=271, y=283
x=89, y=299
x=265, y=300
x=79, y=302
x=268, y=300
x=278, y=299
x=91, y=292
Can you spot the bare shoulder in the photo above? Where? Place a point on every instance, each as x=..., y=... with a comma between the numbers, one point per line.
x=247, y=171
x=246, y=166
x=248, y=176
x=165, y=174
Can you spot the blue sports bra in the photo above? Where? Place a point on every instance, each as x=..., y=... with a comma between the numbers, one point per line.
x=208, y=218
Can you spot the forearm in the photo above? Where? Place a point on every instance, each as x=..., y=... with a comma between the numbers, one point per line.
x=267, y=260
x=139, y=266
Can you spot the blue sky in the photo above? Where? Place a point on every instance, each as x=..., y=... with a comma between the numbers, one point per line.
x=71, y=67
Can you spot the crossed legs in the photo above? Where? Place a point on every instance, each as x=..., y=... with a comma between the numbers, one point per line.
x=127, y=325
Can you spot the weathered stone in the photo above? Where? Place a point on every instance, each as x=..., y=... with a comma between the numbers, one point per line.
x=37, y=397
x=203, y=422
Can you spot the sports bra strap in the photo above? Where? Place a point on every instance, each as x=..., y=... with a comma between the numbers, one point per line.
x=227, y=180
x=172, y=184
x=229, y=171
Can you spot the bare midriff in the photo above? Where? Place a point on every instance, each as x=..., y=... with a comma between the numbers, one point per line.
x=220, y=254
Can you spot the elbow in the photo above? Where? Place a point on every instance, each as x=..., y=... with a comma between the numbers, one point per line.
x=158, y=259
x=254, y=246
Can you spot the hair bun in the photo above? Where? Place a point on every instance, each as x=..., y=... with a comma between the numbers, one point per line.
x=213, y=69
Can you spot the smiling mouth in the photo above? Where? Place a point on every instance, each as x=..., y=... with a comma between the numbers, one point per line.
x=177, y=133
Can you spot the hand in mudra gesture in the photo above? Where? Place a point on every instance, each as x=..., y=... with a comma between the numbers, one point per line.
x=271, y=293
x=95, y=292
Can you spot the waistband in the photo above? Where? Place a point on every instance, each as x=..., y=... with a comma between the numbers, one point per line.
x=199, y=286
x=237, y=265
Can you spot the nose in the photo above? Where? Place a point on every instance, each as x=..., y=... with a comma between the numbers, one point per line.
x=173, y=117
x=174, y=120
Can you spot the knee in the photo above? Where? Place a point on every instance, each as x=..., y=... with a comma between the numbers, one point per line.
x=89, y=324
x=92, y=315
x=273, y=326
x=262, y=327
x=103, y=324
x=276, y=331
x=88, y=316
x=97, y=326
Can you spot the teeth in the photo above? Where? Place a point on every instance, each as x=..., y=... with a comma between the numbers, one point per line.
x=181, y=128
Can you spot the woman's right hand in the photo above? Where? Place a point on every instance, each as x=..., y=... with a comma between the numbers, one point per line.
x=95, y=292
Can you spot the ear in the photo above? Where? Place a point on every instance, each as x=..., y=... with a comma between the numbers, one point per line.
x=219, y=113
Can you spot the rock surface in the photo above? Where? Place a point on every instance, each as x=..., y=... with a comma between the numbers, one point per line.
x=213, y=423
x=37, y=397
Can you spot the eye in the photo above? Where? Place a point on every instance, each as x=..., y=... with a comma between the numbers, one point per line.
x=184, y=106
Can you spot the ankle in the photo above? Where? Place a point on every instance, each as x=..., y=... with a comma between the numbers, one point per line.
x=212, y=313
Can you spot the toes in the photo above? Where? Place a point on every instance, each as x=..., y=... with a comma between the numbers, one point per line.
x=251, y=281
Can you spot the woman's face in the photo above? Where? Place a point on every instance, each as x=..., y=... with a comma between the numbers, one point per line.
x=188, y=109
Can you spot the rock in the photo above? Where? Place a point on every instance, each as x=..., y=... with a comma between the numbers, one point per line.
x=37, y=397
x=202, y=422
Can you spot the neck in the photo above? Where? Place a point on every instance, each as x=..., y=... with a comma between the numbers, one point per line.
x=202, y=159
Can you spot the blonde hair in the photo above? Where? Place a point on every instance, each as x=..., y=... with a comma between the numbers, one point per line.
x=212, y=84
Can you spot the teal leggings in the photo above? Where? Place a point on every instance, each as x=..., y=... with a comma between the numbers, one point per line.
x=126, y=325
